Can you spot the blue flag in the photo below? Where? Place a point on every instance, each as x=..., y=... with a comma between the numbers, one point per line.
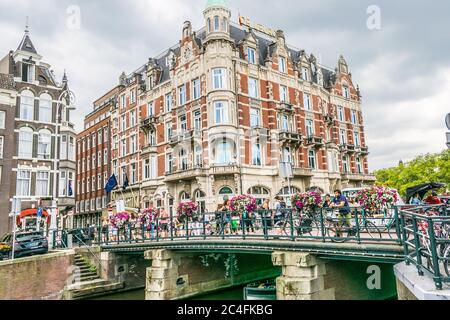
x=111, y=184
x=126, y=183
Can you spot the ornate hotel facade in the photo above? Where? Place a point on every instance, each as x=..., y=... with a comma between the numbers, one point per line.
x=230, y=110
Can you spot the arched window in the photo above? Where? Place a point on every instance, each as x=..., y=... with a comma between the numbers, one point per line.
x=45, y=108
x=200, y=199
x=224, y=24
x=286, y=193
x=216, y=23
x=44, y=144
x=225, y=191
x=209, y=24
x=25, y=143
x=27, y=105
x=224, y=153
x=185, y=196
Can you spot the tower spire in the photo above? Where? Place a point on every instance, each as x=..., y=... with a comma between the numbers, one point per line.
x=26, y=44
x=27, y=26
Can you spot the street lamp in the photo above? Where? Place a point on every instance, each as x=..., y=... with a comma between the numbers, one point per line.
x=66, y=94
x=447, y=122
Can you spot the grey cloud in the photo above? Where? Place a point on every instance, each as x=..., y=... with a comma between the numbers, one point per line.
x=399, y=65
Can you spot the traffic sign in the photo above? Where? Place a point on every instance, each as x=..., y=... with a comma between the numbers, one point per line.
x=39, y=212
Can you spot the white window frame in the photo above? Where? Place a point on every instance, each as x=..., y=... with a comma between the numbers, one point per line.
x=282, y=64
x=284, y=96
x=251, y=55
x=219, y=77
x=307, y=102
x=253, y=87
x=182, y=95
x=25, y=149
x=2, y=119
x=196, y=89
x=23, y=180
x=40, y=179
x=221, y=112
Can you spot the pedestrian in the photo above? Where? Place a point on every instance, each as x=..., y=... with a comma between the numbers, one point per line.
x=327, y=202
x=340, y=202
x=266, y=215
x=163, y=223
x=415, y=201
x=433, y=199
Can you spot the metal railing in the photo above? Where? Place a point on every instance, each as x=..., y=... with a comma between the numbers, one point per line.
x=426, y=240
x=284, y=224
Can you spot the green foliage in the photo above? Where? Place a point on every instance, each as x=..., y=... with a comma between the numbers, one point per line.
x=423, y=169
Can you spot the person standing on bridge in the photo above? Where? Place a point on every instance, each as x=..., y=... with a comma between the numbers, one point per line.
x=340, y=202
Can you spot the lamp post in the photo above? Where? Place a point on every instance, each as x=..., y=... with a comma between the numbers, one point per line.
x=447, y=122
x=65, y=94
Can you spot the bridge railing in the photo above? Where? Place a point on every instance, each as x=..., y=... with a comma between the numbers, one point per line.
x=284, y=224
x=426, y=240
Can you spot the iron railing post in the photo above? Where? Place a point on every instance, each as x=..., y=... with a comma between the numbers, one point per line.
x=434, y=255
x=222, y=221
x=171, y=226
x=322, y=226
x=404, y=237
x=107, y=234
x=397, y=225
x=417, y=244
x=358, y=230
x=292, y=225
x=204, y=226
x=243, y=224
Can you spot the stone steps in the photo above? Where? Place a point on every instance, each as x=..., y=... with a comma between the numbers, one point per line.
x=88, y=284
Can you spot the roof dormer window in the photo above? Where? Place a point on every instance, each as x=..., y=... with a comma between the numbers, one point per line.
x=282, y=65
x=27, y=72
x=251, y=55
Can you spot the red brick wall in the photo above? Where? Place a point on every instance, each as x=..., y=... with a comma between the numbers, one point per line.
x=35, y=278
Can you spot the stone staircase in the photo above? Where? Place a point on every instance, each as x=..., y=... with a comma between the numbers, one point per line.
x=87, y=283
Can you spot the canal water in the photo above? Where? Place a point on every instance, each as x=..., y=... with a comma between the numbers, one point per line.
x=229, y=294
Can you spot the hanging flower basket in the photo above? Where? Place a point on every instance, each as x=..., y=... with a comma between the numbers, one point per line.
x=147, y=217
x=186, y=211
x=307, y=200
x=377, y=198
x=119, y=220
x=243, y=204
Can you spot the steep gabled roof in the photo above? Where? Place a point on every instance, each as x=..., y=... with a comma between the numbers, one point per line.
x=26, y=44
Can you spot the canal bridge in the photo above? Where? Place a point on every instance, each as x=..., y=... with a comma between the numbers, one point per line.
x=310, y=260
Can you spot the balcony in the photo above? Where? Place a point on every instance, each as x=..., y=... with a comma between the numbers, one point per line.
x=149, y=122
x=364, y=151
x=259, y=132
x=314, y=141
x=286, y=107
x=185, y=174
x=149, y=149
x=302, y=172
x=292, y=138
x=180, y=137
x=348, y=148
x=224, y=170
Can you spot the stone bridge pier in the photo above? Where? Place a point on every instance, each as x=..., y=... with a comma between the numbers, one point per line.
x=300, y=276
x=303, y=277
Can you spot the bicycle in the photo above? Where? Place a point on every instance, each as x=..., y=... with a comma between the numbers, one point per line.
x=301, y=225
x=338, y=233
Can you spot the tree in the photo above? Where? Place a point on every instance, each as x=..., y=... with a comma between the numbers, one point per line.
x=423, y=169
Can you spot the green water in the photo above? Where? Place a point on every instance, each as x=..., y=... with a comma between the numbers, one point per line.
x=229, y=294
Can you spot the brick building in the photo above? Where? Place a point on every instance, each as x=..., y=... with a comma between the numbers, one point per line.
x=231, y=110
x=37, y=140
x=94, y=162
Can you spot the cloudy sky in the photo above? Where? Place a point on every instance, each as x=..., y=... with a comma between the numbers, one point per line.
x=401, y=62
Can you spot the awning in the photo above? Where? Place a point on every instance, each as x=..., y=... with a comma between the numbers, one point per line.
x=31, y=212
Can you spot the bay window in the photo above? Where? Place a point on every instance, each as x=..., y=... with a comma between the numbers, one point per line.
x=221, y=112
x=224, y=153
x=219, y=78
